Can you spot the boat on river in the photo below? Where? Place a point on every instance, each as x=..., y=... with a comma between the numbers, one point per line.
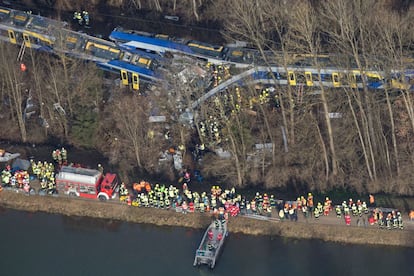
x=211, y=244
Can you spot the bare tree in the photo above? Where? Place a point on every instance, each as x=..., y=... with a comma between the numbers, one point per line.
x=306, y=36
x=16, y=87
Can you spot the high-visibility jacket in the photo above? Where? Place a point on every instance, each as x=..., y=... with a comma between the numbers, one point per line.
x=371, y=199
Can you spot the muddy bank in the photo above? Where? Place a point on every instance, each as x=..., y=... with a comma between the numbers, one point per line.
x=114, y=211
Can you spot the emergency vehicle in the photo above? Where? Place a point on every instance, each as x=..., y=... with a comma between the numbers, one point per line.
x=87, y=183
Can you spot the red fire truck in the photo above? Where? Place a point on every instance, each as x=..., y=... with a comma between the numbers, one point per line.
x=86, y=183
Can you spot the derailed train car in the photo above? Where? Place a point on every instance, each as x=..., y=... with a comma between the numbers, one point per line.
x=40, y=33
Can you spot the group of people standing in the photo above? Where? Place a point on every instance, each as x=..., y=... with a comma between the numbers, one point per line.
x=81, y=17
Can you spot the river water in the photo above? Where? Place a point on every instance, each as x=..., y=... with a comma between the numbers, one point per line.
x=45, y=244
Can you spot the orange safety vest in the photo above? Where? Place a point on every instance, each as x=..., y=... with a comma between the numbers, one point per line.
x=137, y=187
x=310, y=201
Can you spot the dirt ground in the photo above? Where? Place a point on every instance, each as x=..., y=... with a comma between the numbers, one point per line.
x=327, y=228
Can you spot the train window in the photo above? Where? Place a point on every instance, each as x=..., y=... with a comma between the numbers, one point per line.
x=237, y=53
x=350, y=80
x=373, y=79
x=270, y=75
x=127, y=57
x=300, y=77
x=162, y=36
x=308, y=77
x=135, y=60
x=315, y=77
x=20, y=19
x=326, y=77
x=71, y=39
x=144, y=61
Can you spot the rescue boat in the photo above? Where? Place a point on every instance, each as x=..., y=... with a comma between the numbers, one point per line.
x=211, y=244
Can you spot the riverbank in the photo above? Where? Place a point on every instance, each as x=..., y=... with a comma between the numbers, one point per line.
x=324, y=229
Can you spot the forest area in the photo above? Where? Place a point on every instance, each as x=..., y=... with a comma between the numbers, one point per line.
x=368, y=146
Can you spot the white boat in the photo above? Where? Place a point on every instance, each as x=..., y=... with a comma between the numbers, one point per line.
x=211, y=244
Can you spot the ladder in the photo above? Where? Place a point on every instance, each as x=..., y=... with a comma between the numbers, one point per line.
x=21, y=51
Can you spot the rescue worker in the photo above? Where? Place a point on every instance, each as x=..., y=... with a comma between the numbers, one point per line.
x=51, y=187
x=310, y=203
x=272, y=202
x=316, y=213
x=320, y=208
x=411, y=215
x=64, y=154
x=248, y=211
x=354, y=209
x=281, y=214
x=388, y=221
x=381, y=219
x=85, y=16
x=43, y=184
x=13, y=181
x=326, y=208
x=123, y=191
x=350, y=202
x=26, y=187
x=187, y=177
x=59, y=156
x=291, y=213
x=338, y=211
x=365, y=208
x=184, y=207
x=54, y=155
x=371, y=200
x=78, y=16
x=210, y=234
x=394, y=220
x=400, y=221
x=305, y=211
x=100, y=168
x=253, y=206
x=348, y=220
x=359, y=208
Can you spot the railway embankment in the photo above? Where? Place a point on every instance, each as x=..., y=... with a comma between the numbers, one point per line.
x=328, y=229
